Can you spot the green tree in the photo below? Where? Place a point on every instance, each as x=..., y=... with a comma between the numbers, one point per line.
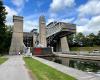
x=71, y=40
x=3, y=14
x=97, y=40
x=91, y=37
x=80, y=39
x=8, y=38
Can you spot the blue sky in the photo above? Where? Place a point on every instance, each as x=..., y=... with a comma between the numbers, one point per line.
x=84, y=13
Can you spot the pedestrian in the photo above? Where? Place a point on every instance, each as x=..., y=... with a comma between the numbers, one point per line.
x=19, y=52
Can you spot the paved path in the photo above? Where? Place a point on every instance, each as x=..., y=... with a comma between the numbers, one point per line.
x=84, y=57
x=14, y=69
x=79, y=75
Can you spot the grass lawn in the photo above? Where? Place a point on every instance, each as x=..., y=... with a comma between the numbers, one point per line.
x=44, y=72
x=2, y=60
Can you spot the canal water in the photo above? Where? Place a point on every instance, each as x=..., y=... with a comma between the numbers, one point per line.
x=87, y=66
x=84, y=65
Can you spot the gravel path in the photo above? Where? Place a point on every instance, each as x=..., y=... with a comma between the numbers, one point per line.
x=14, y=69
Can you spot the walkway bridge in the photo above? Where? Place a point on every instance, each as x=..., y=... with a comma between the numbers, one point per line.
x=58, y=27
x=57, y=32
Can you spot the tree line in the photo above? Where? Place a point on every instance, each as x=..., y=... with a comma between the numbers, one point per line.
x=5, y=31
x=81, y=40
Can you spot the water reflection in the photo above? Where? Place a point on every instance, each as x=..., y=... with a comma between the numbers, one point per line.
x=88, y=66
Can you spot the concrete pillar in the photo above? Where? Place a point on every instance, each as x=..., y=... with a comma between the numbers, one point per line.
x=33, y=41
x=17, y=36
x=42, y=31
x=64, y=44
x=58, y=46
x=65, y=61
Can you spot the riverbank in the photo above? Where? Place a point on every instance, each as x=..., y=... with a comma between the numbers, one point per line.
x=84, y=48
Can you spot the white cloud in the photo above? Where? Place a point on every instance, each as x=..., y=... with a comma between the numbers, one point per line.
x=52, y=15
x=67, y=20
x=10, y=14
x=58, y=5
x=91, y=8
x=92, y=26
x=10, y=11
x=94, y=23
x=39, y=3
x=81, y=21
x=50, y=20
x=80, y=29
x=19, y=4
x=30, y=24
x=88, y=20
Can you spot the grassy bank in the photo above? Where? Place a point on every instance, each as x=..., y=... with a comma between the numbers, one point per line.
x=44, y=72
x=84, y=48
x=2, y=60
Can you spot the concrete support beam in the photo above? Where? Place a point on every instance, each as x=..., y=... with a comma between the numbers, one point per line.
x=17, y=36
x=64, y=44
x=42, y=31
x=33, y=40
x=65, y=61
x=58, y=46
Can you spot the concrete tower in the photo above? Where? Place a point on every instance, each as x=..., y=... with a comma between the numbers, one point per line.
x=42, y=31
x=17, y=36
